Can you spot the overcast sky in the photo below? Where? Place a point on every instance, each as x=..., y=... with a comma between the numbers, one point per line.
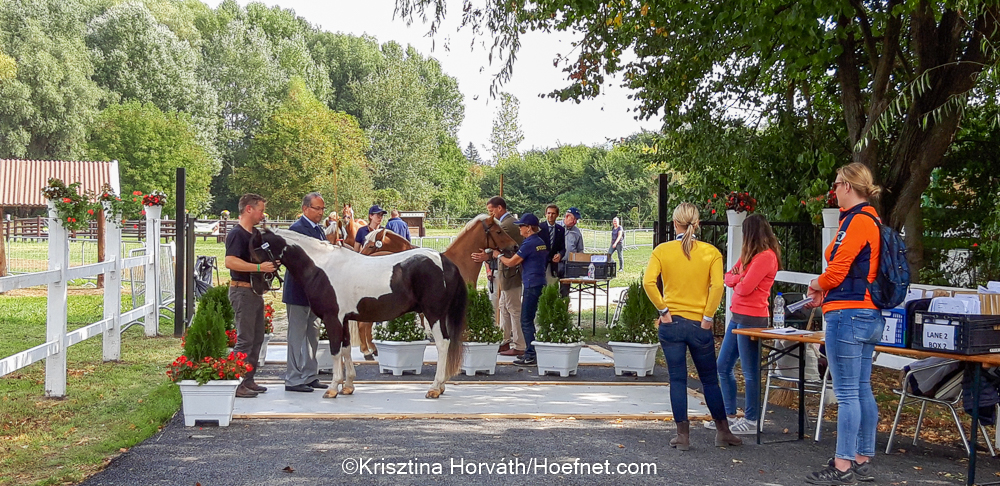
x=544, y=121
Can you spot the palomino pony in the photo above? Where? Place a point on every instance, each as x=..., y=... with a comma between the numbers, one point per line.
x=480, y=233
x=350, y=229
x=342, y=284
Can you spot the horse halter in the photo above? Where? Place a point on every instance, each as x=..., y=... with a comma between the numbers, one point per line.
x=269, y=277
x=490, y=239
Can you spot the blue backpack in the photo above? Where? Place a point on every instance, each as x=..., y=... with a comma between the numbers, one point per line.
x=893, y=278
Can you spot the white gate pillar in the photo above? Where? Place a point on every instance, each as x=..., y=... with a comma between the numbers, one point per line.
x=55, y=326
x=152, y=320
x=112, y=285
x=734, y=249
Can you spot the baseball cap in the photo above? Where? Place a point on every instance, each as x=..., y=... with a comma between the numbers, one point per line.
x=376, y=210
x=528, y=219
x=575, y=212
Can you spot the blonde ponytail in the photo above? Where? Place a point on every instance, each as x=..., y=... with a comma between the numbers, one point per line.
x=686, y=216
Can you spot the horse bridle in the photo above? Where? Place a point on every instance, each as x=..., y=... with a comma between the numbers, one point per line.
x=269, y=277
x=491, y=239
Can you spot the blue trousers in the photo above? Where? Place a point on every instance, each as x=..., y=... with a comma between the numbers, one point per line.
x=529, y=307
x=851, y=335
x=676, y=339
x=742, y=348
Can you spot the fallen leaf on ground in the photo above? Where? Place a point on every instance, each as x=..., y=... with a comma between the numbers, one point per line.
x=288, y=469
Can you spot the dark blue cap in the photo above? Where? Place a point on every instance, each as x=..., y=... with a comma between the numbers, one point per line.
x=527, y=219
x=376, y=210
x=575, y=212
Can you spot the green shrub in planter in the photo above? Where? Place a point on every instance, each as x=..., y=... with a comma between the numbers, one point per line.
x=403, y=328
x=220, y=294
x=635, y=325
x=553, y=319
x=207, y=335
x=480, y=318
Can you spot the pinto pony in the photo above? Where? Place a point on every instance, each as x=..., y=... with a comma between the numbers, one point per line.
x=342, y=284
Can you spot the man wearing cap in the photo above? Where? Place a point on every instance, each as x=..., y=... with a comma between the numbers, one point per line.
x=302, y=369
x=533, y=257
x=574, y=240
x=375, y=215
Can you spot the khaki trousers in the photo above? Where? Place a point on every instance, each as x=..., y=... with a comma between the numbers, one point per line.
x=510, y=318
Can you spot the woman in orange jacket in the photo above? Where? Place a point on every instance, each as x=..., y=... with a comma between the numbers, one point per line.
x=853, y=325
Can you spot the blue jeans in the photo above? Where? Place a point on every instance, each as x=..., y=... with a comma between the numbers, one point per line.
x=675, y=339
x=851, y=335
x=529, y=307
x=736, y=346
x=618, y=248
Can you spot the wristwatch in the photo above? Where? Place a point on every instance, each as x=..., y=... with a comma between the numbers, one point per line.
x=664, y=312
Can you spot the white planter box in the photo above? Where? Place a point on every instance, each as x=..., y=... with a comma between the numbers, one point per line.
x=637, y=358
x=479, y=357
x=263, y=348
x=211, y=401
x=323, y=357
x=399, y=356
x=557, y=357
x=831, y=218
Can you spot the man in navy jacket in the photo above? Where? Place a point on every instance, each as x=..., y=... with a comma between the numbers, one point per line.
x=302, y=372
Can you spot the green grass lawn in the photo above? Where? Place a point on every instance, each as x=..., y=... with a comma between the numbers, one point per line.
x=108, y=407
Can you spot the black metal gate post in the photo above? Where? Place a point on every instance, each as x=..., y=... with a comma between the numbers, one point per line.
x=661, y=212
x=179, y=270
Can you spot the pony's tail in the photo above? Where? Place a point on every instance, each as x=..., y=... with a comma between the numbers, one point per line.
x=456, y=323
x=354, y=333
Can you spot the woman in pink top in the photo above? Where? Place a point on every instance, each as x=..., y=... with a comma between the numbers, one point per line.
x=751, y=279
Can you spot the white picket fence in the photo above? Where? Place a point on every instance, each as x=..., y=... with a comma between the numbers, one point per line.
x=57, y=339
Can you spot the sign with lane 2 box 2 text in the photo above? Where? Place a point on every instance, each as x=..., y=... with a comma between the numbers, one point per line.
x=939, y=337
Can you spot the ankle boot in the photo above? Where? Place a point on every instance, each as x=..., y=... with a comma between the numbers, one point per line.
x=683, y=440
x=723, y=436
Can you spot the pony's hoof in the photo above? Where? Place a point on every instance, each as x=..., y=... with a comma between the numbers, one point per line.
x=331, y=393
x=433, y=394
x=348, y=390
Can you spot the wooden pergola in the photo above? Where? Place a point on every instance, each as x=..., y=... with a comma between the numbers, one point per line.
x=21, y=183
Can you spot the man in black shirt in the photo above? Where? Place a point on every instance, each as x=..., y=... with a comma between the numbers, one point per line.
x=248, y=307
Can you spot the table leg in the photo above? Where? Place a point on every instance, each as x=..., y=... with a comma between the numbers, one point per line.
x=975, y=421
x=802, y=390
x=579, y=303
x=760, y=387
x=607, y=305
x=594, y=324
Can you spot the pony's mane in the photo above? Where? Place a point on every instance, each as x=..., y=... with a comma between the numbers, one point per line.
x=474, y=222
x=303, y=240
x=371, y=236
x=468, y=226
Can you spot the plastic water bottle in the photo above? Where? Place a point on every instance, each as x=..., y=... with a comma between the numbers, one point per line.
x=779, y=311
x=590, y=270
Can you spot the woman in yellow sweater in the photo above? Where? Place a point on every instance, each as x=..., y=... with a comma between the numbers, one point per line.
x=692, y=290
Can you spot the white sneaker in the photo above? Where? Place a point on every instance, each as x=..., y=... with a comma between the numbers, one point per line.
x=709, y=424
x=742, y=426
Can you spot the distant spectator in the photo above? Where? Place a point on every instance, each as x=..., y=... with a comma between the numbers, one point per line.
x=574, y=239
x=397, y=225
x=617, y=241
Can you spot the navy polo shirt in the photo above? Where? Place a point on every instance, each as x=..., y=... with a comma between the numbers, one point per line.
x=535, y=253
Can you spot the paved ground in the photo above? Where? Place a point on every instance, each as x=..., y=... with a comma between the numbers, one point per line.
x=477, y=451
x=309, y=452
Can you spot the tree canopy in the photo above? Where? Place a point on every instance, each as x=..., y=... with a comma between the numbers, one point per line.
x=895, y=73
